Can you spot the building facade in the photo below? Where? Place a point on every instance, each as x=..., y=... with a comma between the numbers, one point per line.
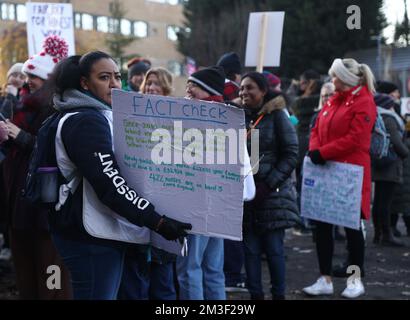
x=154, y=23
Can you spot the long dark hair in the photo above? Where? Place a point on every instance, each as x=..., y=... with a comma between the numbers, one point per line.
x=68, y=72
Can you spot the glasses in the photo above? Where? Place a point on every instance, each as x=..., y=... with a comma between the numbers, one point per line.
x=191, y=85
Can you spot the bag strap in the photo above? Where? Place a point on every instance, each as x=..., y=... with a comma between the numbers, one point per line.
x=65, y=165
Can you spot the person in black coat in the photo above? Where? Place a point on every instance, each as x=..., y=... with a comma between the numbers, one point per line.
x=274, y=208
x=388, y=177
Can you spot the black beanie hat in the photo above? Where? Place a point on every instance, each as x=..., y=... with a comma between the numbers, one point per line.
x=230, y=63
x=386, y=87
x=383, y=100
x=138, y=68
x=211, y=79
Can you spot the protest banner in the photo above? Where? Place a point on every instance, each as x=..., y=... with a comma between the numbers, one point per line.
x=405, y=106
x=46, y=19
x=264, y=41
x=164, y=147
x=332, y=193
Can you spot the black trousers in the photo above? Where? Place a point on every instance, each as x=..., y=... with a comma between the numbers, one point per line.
x=325, y=245
x=383, y=197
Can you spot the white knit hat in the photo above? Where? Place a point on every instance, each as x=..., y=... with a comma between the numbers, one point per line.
x=42, y=64
x=15, y=68
x=339, y=69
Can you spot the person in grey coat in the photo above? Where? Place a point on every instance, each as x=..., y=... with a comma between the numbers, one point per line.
x=387, y=177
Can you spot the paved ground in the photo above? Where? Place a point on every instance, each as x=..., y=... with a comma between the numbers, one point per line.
x=387, y=270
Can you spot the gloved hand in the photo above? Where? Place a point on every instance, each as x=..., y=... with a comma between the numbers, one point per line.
x=316, y=157
x=262, y=192
x=172, y=229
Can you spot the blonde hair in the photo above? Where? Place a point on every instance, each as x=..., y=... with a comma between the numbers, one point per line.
x=164, y=77
x=363, y=71
x=328, y=86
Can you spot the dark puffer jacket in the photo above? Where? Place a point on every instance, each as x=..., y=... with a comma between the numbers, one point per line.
x=278, y=154
x=394, y=171
x=401, y=200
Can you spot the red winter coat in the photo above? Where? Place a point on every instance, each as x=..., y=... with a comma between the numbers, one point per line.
x=342, y=133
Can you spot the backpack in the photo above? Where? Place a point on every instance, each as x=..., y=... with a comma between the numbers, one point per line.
x=381, y=150
x=380, y=139
x=43, y=174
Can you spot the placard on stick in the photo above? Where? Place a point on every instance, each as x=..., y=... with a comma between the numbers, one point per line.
x=264, y=42
x=46, y=19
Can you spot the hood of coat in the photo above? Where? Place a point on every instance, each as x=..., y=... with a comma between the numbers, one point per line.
x=72, y=99
x=277, y=103
x=393, y=114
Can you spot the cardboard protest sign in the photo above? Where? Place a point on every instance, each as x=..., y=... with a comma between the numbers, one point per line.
x=264, y=41
x=332, y=193
x=45, y=19
x=164, y=148
x=405, y=106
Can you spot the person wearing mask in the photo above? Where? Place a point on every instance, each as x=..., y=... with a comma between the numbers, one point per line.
x=88, y=229
x=143, y=279
x=274, y=207
x=200, y=274
x=13, y=90
x=137, y=68
x=233, y=250
x=392, y=90
x=342, y=133
x=32, y=248
x=231, y=65
x=388, y=177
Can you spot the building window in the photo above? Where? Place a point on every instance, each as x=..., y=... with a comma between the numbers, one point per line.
x=102, y=24
x=8, y=11
x=125, y=27
x=172, y=33
x=87, y=22
x=21, y=13
x=140, y=29
x=175, y=68
x=113, y=25
x=171, y=2
x=77, y=19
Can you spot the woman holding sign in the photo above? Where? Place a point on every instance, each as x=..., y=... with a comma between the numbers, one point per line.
x=342, y=133
x=88, y=226
x=274, y=208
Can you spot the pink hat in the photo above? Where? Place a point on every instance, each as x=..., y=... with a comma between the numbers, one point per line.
x=41, y=65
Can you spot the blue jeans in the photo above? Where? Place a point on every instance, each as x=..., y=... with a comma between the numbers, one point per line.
x=200, y=274
x=270, y=242
x=95, y=269
x=143, y=280
x=135, y=276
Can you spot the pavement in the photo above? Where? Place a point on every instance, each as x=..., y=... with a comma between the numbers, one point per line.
x=387, y=270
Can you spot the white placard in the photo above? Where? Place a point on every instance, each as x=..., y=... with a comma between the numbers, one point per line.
x=209, y=196
x=332, y=193
x=405, y=106
x=272, y=42
x=45, y=19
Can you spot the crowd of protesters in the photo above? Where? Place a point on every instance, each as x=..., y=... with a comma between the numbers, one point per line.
x=324, y=118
